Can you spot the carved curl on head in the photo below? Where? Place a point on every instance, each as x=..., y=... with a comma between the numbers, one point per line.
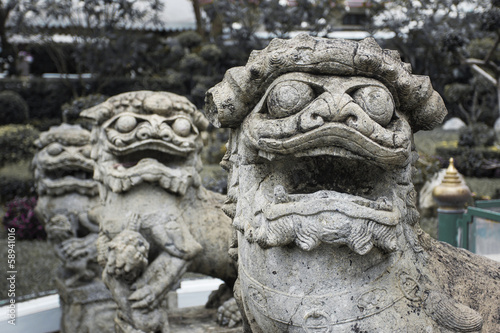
x=146, y=102
x=229, y=102
x=65, y=134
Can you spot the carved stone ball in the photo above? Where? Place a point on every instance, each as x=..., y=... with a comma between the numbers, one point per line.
x=125, y=124
x=376, y=102
x=287, y=98
x=182, y=126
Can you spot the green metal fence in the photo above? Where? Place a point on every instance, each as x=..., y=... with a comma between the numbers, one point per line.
x=478, y=229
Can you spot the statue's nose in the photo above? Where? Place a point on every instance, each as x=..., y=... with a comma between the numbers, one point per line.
x=340, y=108
x=328, y=107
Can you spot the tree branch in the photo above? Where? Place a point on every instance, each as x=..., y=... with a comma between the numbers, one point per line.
x=493, y=49
x=484, y=74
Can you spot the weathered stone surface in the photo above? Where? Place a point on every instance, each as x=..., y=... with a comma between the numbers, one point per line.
x=66, y=191
x=197, y=320
x=320, y=162
x=156, y=219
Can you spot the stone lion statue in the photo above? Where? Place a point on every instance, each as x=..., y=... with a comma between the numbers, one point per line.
x=320, y=160
x=66, y=191
x=156, y=219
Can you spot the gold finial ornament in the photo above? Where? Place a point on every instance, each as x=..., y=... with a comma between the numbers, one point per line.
x=452, y=193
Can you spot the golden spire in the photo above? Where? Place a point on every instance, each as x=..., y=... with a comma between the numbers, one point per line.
x=452, y=193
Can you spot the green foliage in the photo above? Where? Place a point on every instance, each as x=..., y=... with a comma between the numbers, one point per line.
x=476, y=135
x=210, y=53
x=71, y=111
x=43, y=96
x=473, y=161
x=490, y=20
x=439, y=38
x=16, y=143
x=478, y=48
x=13, y=108
x=11, y=188
x=455, y=92
x=191, y=63
x=107, y=44
x=473, y=100
x=245, y=18
x=189, y=39
x=425, y=168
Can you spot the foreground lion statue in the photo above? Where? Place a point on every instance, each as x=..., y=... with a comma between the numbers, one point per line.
x=66, y=191
x=320, y=162
x=156, y=219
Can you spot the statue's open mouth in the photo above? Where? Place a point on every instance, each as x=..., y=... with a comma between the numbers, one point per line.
x=153, y=161
x=132, y=159
x=330, y=164
x=75, y=172
x=65, y=178
x=311, y=185
x=306, y=175
x=326, y=186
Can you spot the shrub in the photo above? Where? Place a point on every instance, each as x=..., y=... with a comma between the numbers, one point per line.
x=476, y=135
x=20, y=215
x=11, y=188
x=71, y=111
x=16, y=143
x=189, y=39
x=13, y=108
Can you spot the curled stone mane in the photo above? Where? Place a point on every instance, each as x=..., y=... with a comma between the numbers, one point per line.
x=238, y=93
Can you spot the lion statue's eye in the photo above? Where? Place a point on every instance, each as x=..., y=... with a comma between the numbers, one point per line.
x=125, y=124
x=182, y=127
x=288, y=98
x=55, y=149
x=377, y=103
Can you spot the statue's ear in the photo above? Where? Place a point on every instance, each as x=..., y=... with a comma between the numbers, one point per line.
x=98, y=113
x=230, y=101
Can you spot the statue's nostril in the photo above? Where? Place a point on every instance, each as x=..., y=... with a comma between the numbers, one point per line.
x=310, y=121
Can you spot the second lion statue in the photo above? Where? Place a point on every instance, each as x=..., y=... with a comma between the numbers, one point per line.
x=156, y=219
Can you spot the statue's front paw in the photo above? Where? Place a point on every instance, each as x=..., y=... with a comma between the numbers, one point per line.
x=228, y=314
x=144, y=297
x=74, y=248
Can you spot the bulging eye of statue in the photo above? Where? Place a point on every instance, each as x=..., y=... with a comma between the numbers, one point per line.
x=55, y=149
x=377, y=103
x=125, y=124
x=182, y=127
x=288, y=98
